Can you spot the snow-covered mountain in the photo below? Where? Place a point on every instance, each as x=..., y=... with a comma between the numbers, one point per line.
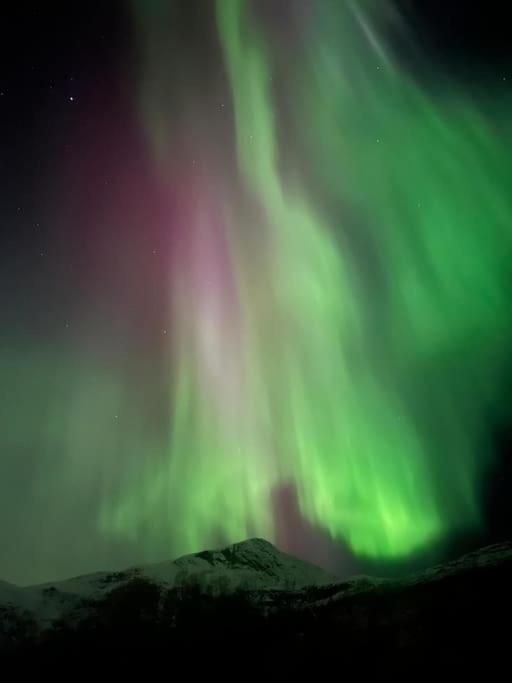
x=254, y=564
x=251, y=595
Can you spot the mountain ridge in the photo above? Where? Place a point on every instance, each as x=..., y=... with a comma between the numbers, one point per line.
x=252, y=564
x=252, y=592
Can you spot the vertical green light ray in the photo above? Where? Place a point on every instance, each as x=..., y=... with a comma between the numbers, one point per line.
x=356, y=469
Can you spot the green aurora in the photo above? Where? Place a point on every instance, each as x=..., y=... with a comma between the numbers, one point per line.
x=356, y=346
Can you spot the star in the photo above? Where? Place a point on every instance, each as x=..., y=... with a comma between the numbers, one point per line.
x=71, y=99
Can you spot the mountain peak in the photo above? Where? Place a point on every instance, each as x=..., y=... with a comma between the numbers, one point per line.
x=253, y=563
x=256, y=543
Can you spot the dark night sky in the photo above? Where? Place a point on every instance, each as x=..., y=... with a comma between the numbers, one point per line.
x=70, y=150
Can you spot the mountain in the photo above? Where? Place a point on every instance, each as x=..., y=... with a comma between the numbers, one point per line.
x=250, y=595
x=253, y=564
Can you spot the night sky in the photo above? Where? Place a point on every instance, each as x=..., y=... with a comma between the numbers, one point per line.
x=255, y=281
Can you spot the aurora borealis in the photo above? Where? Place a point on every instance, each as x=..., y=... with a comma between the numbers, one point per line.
x=296, y=276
